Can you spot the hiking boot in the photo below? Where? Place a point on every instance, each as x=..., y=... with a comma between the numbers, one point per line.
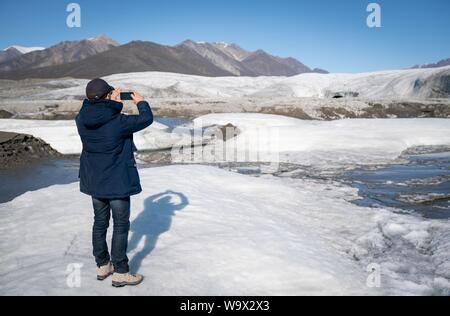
x=122, y=279
x=104, y=271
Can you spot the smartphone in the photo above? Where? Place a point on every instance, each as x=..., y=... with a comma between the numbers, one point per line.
x=124, y=96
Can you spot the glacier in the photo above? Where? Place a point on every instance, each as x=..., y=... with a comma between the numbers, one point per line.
x=388, y=84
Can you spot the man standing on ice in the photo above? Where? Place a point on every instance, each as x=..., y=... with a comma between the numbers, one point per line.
x=108, y=173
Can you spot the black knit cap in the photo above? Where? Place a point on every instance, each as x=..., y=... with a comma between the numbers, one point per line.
x=97, y=89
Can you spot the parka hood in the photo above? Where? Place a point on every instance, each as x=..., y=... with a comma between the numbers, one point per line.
x=96, y=113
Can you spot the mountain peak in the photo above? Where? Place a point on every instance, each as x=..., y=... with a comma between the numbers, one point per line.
x=105, y=39
x=259, y=52
x=11, y=49
x=188, y=42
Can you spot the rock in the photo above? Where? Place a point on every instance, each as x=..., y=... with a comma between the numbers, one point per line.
x=404, y=109
x=229, y=131
x=5, y=114
x=17, y=149
x=335, y=113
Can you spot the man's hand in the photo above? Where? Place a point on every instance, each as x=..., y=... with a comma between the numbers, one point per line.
x=137, y=97
x=115, y=94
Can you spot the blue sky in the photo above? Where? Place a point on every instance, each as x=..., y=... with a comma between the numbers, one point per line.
x=330, y=34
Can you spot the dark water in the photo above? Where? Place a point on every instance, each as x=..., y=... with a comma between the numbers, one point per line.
x=36, y=176
x=173, y=122
x=422, y=185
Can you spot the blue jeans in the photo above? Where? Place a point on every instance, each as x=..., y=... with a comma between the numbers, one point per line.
x=121, y=217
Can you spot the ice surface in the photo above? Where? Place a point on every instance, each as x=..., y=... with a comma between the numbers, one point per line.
x=223, y=233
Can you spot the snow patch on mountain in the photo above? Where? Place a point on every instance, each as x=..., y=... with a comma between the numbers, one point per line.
x=25, y=50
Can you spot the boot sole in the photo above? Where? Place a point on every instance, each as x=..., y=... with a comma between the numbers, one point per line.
x=102, y=278
x=122, y=284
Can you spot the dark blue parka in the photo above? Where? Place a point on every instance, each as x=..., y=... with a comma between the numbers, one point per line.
x=107, y=165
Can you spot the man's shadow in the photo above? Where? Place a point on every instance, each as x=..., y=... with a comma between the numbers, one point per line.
x=153, y=221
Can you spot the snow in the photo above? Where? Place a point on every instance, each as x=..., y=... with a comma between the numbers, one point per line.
x=25, y=50
x=381, y=84
x=390, y=84
x=253, y=242
x=307, y=142
x=224, y=44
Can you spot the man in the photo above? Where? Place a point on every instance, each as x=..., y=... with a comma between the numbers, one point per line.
x=108, y=173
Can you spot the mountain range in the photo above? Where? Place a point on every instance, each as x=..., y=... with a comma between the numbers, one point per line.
x=15, y=51
x=441, y=63
x=61, y=53
x=101, y=56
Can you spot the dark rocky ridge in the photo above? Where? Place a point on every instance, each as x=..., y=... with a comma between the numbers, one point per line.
x=9, y=54
x=61, y=53
x=17, y=149
x=297, y=108
x=5, y=114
